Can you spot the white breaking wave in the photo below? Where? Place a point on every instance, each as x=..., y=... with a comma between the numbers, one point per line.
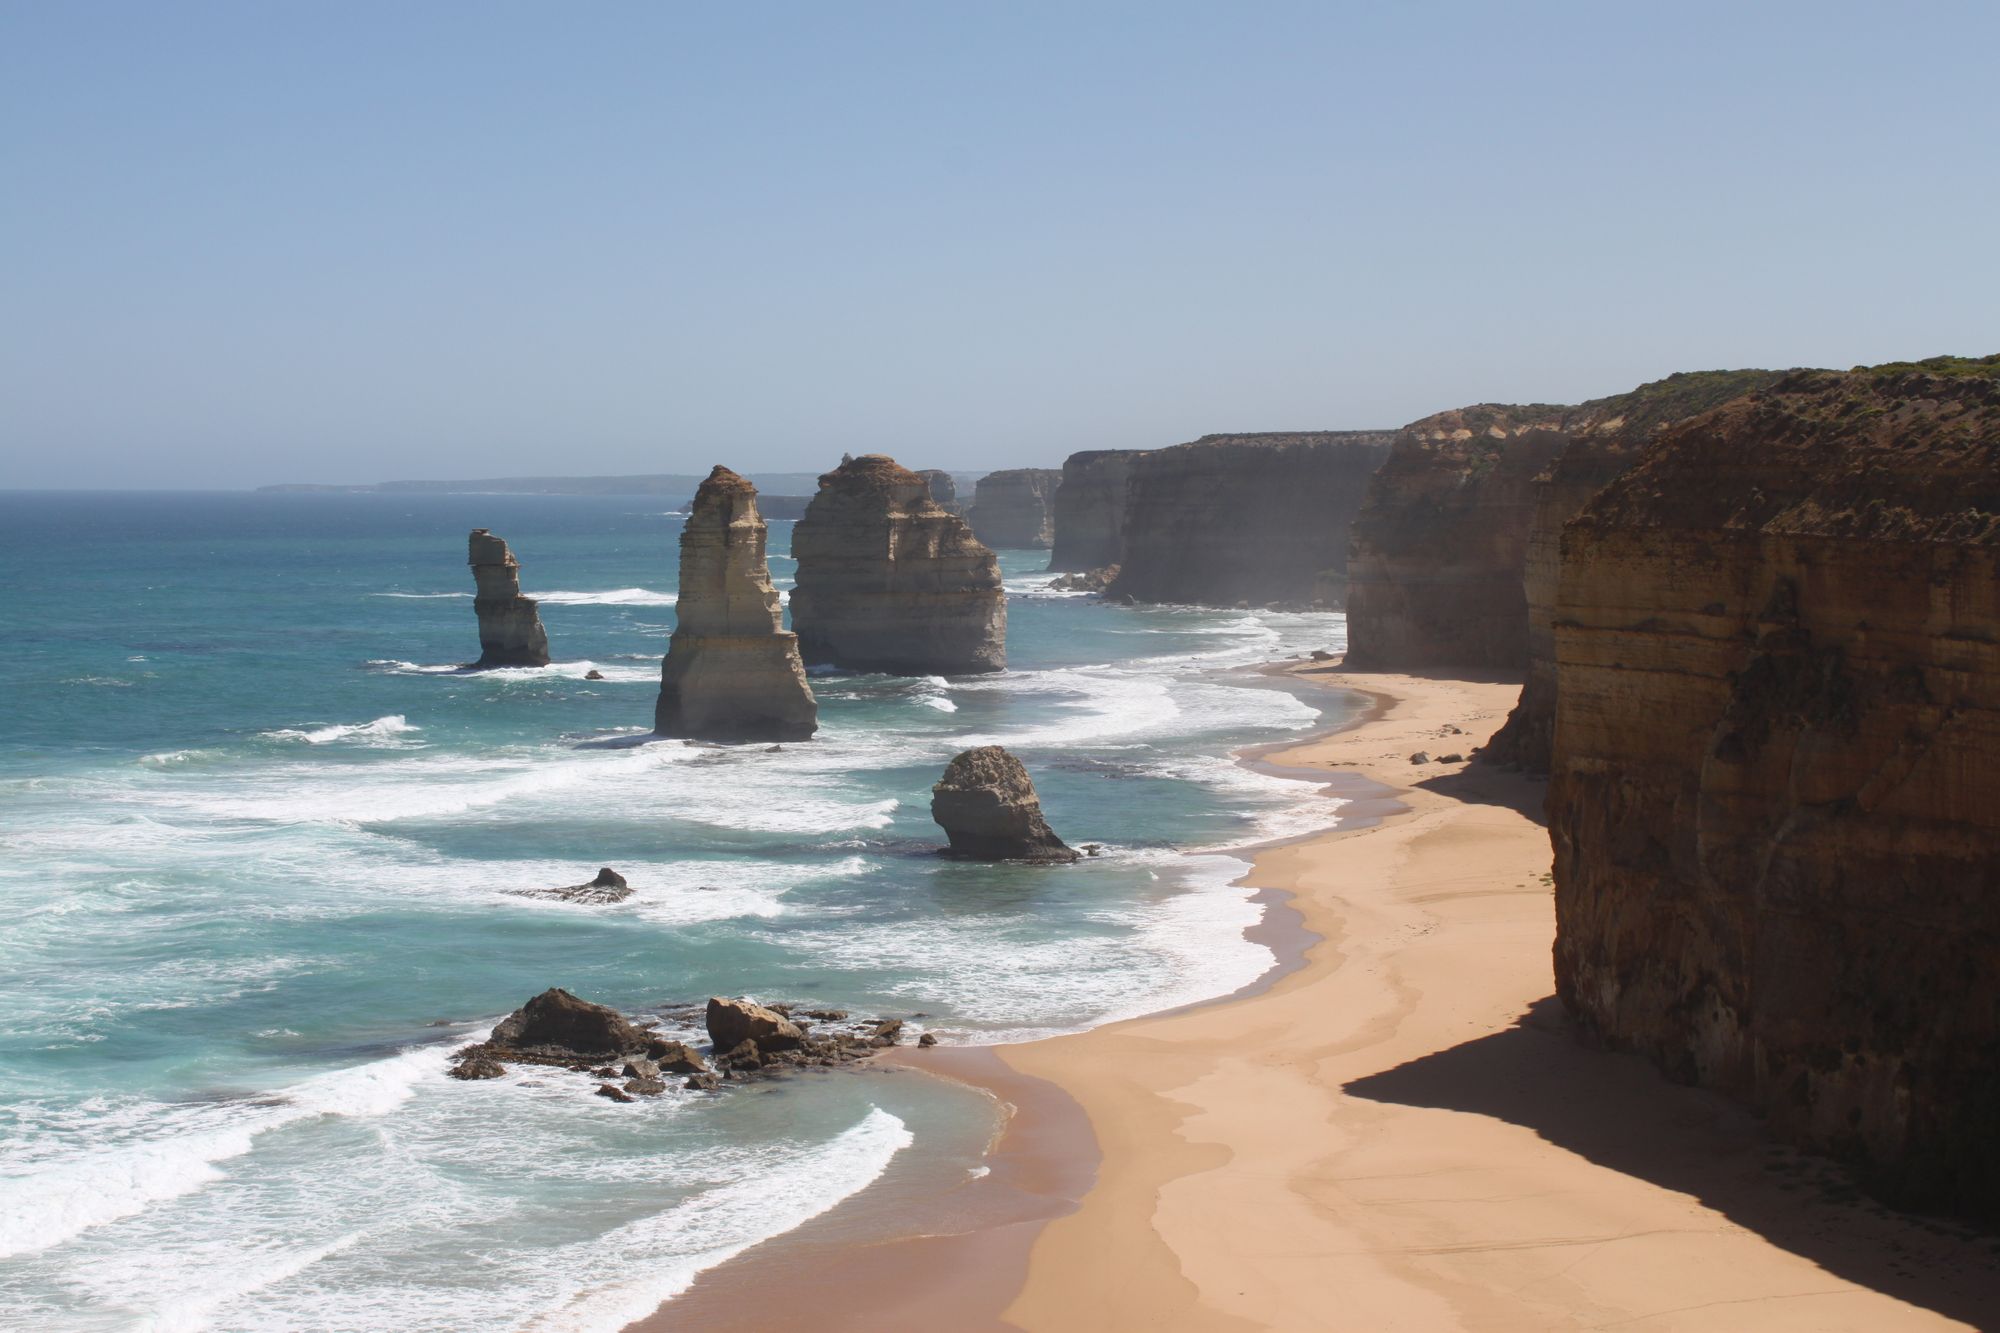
x=713, y=1227
x=615, y=597
x=380, y=729
x=52, y=1203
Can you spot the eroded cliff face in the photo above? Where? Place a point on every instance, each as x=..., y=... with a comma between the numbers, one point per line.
x=1258, y=519
x=510, y=625
x=943, y=489
x=1088, y=512
x=1775, y=798
x=889, y=581
x=1013, y=510
x=732, y=671
x=1605, y=438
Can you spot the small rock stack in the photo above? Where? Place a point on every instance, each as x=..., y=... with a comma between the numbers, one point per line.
x=988, y=808
x=510, y=625
x=732, y=671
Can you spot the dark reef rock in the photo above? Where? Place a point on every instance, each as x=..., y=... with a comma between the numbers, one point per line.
x=608, y=887
x=1775, y=795
x=732, y=671
x=988, y=809
x=889, y=581
x=1088, y=512
x=1246, y=519
x=510, y=625
x=1089, y=580
x=557, y=1025
x=1013, y=509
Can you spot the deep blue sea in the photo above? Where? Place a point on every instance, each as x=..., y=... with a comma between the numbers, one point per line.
x=257, y=841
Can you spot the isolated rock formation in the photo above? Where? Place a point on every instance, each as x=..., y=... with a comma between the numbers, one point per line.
x=942, y=487
x=1256, y=519
x=608, y=887
x=732, y=671
x=1013, y=510
x=1604, y=439
x=989, y=810
x=1089, y=510
x=1775, y=798
x=889, y=581
x=510, y=626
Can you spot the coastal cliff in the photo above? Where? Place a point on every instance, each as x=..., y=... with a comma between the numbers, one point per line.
x=889, y=581
x=943, y=489
x=1775, y=798
x=1088, y=511
x=1258, y=519
x=510, y=625
x=1012, y=510
x=732, y=672
x=1605, y=438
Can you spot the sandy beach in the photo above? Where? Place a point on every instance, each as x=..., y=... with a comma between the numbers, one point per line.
x=1400, y=1133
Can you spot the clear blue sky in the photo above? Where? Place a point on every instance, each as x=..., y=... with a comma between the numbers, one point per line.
x=348, y=242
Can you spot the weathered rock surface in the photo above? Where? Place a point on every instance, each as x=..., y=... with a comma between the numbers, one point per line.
x=1605, y=438
x=889, y=581
x=1089, y=510
x=942, y=487
x=559, y=1022
x=732, y=671
x=988, y=809
x=733, y=1022
x=1089, y=580
x=1254, y=519
x=1775, y=798
x=1013, y=509
x=608, y=887
x=510, y=625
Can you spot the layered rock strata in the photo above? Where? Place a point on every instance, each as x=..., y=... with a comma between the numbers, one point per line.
x=1604, y=439
x=1252, y=519
x=1088, y=512
x=732, y=671
x=510, y=625
x=1775, y=797
x=1013, y=510
x=989, y=811
x=889, y=581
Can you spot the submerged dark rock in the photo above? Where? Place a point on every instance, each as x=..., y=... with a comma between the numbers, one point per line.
x=608, y=887
x=988, y=809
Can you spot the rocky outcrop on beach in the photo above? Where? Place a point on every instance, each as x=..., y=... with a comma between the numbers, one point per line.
x=1088, y=580
x=942, y=487
x=510, y=625
x=1258, y=520
x=988, y=808
x=1013, y=509
x=555, y=1028
x=1604, y=439
x=608, y=887
x=889, y=581
x=1088, y=511
x=732, y=671
x=1775, y=796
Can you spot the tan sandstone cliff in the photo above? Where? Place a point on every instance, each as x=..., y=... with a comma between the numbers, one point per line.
x=1088, y=512
x=1775, y=798
x=1012, y=510
x=510, y=625
x=1259, y=519
x=732, y=671
x=942, y=487
x=890, y=581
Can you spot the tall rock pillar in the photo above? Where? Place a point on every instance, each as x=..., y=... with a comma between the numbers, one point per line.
x=510, y=626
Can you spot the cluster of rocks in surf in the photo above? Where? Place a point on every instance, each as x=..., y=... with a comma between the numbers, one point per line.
x=608, y=887
x=630, y=1058
x=510, y=625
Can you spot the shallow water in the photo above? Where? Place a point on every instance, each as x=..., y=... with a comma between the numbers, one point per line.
x=259, y=834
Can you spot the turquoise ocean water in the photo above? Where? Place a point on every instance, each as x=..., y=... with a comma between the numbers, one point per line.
x=257, y=837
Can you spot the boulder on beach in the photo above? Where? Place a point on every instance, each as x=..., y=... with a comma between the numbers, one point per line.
x=988, y=809
x=557, y=1023
x=733, y=1022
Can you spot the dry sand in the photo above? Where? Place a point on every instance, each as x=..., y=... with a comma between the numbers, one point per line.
x=1398, y=1134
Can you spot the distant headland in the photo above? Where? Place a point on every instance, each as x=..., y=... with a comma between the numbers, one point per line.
x=681, y=484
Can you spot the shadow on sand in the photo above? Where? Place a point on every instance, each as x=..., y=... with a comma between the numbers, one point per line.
x=1618, y=1112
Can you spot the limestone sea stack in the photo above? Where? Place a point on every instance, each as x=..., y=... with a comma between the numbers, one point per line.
x=1775, y=796
x=943, y=488
x=1088, y=512
x=732, y=671
x=889, y=581
x=1255, y=519
x=1604, y=439
x=510, y=625
x=1013, y=510
x=988, y=809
